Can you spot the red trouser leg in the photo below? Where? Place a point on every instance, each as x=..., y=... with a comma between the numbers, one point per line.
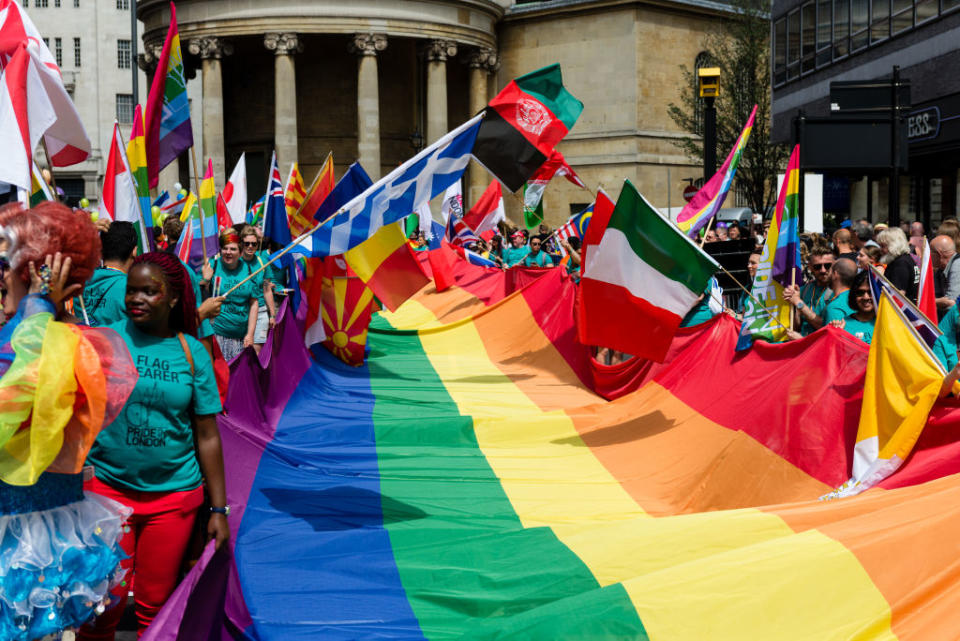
x=160, y=530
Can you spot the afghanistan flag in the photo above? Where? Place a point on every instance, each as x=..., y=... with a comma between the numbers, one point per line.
x=641, y=280
x=523, y=124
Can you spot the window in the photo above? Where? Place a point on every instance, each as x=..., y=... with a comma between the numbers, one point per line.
x=76, y=3
x=808, y=25
x=859, y=21
x=125, y=108
x=76, y=52
x=841, y=28
x=40, y=4
x=824, y=33
x=902, y=18
x=950, y=5
x=702, y=60
x=780, y=51
x=58, y=50
x=793, y=45
x=880, y=20
x=46, y=42
x=926, y=9
x=123, y=5
x=123, y=54
x=56, y=3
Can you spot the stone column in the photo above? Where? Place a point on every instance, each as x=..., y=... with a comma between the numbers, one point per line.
x=211, y=50
x=437, y=52
x=481, y=61
x=284, y=45
x=366, y=46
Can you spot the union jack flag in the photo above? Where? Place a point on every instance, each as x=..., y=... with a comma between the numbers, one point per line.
x=458, y=233
x=275, y=225
x=926, y=328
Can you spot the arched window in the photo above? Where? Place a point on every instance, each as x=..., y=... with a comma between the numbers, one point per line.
x=702, y=60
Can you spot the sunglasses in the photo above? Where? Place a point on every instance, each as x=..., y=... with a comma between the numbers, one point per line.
x=860, y=293
x=253, y=244
x=823, y=267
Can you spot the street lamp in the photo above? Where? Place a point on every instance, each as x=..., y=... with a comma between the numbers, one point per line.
x=708, y=83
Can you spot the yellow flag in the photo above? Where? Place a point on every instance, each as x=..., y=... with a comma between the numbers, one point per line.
x=902, y=383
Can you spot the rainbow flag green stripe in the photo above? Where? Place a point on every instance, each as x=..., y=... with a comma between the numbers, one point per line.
x=464, y=571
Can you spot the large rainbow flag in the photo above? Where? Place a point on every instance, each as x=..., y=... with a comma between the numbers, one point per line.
x=481, y=477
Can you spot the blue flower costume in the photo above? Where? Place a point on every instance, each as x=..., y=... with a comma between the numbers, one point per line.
x=59, y=547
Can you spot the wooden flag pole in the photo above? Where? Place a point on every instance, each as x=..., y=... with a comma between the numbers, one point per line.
x=53, y=181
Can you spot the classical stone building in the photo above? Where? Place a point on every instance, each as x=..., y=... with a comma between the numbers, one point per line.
x=373, y=80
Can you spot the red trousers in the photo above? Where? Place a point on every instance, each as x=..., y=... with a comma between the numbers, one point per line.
x=155, y=540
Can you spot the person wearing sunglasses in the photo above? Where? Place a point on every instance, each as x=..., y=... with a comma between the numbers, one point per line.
x=860, y=323
x=254, y=258
x=811, y=300
x=235, y=325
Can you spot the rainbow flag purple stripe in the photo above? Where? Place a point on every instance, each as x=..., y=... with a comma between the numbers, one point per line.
x=707, y=202
x=786, y=260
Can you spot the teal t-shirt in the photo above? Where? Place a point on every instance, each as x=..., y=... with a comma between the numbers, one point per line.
x=234, y=313
x=103, y=297
x=815, y=297
x=860, y=329
x=206, y=328
x=540, y=259
x=513, y=255
x=149, y=447
x=945, y=349
x=838, y=308
x=253, y=265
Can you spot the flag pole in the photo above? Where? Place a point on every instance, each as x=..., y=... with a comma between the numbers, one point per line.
x=196, y=182
x=53, y=181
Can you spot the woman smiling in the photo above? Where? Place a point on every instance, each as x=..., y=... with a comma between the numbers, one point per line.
x=236, y=324
x=146, y=458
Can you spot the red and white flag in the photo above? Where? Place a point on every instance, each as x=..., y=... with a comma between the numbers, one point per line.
x=34, y=104
x=555, y=165
x=926, y=299
x=488, y=211
x=118, y=198
x=235, y=192
x=15, y=28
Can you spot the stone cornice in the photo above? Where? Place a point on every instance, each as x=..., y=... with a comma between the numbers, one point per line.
x=466, y=22
x=439, y=50
x=485, y=58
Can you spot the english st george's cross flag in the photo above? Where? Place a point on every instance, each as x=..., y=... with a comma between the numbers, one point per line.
x=523, y=124
x=168, y=129
x=119, y=200
x=34, y=104
x=707, y=202
x=902, y=383
x=768, y=314
x=640, y=281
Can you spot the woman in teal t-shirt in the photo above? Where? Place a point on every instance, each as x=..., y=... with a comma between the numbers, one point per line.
x=236, y=324
x=860, y=322
x=155, y=455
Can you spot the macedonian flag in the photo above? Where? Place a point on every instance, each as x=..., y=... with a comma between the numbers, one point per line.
x=346, y=309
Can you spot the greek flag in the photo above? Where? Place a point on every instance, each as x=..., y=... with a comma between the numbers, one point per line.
x=405, y=189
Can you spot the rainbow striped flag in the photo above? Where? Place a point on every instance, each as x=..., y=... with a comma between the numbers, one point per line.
x=168, y=129
x=472, y=480
x=708, y=201
x=137, y=157
x=787, y=269
x=39, y=189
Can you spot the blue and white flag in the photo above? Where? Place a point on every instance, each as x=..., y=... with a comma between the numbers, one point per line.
x=403, y=190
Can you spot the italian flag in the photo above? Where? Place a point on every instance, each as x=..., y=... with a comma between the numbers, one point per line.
x=640, y=280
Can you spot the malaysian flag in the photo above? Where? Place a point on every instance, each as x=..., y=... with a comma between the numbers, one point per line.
x=576, y=226
x=458, y=233
x=926, y=328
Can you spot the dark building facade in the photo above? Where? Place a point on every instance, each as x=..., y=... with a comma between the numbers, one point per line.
x=817, y=42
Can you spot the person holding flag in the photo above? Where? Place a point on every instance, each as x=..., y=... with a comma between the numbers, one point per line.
x=254, y=258
x=236, y=324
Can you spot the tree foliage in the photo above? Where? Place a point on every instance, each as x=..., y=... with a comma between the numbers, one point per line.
x=741, y=49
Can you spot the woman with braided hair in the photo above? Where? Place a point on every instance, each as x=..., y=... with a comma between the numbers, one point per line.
x=146, y=458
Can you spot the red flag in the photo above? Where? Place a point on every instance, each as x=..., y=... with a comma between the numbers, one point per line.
x=442, y=262
x=926, y=299
x=223, y=214
x=488, y=210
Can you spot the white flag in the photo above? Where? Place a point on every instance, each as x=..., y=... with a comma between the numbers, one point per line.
x=235, y=192
x=452, y=202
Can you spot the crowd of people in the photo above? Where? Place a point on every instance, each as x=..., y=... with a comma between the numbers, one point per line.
x=157, y=460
